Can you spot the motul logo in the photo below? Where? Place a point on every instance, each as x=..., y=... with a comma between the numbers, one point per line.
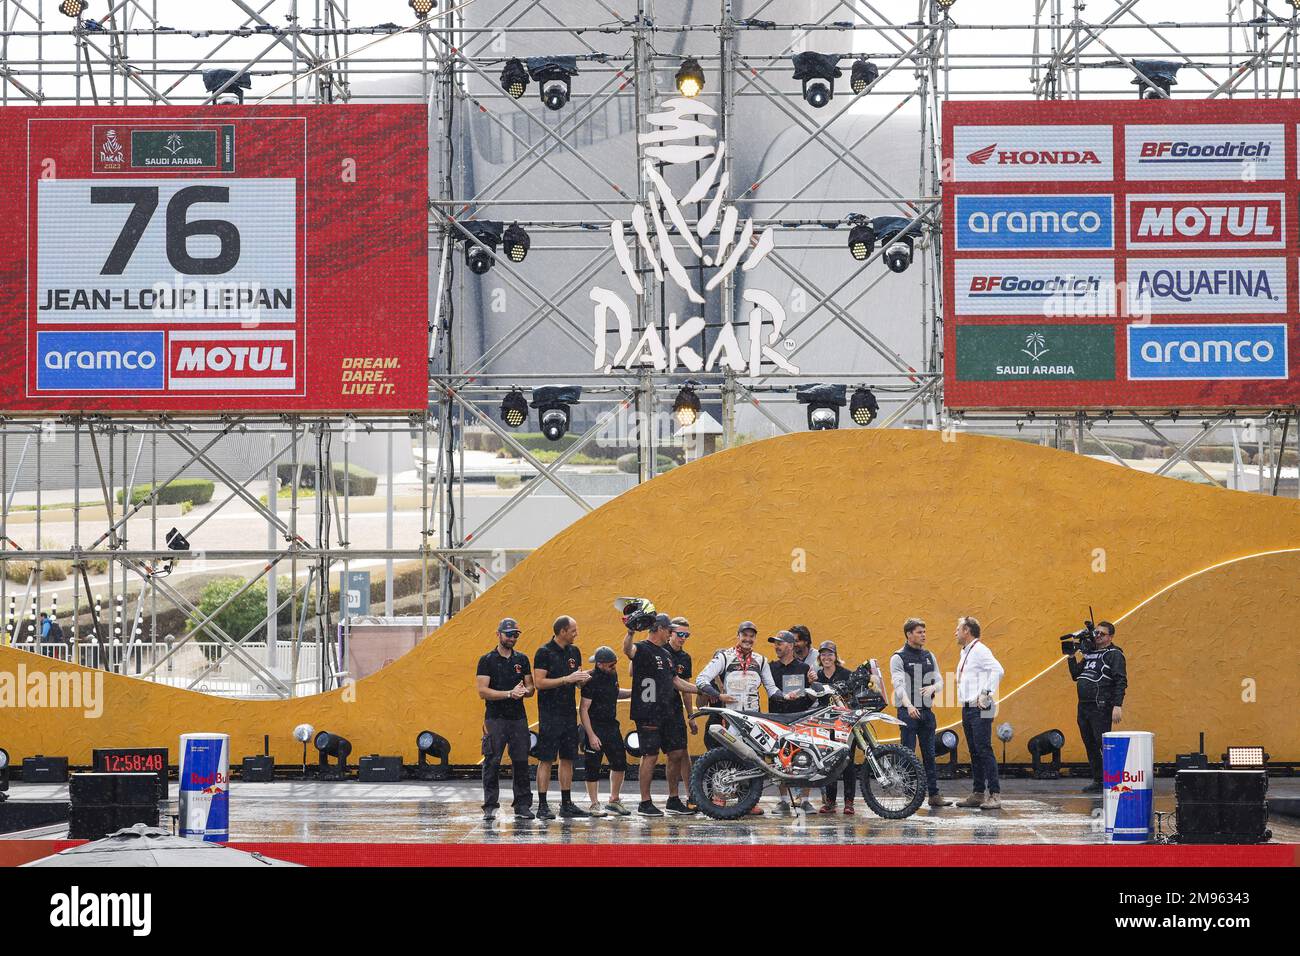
x=232, y=358
x=1247, y=221
x=1034, y=157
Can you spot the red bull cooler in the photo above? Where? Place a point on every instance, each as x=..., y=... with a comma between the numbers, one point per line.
x=1127, y=771
x=205, y=787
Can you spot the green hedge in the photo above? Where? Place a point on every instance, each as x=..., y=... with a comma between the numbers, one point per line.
x=361, y=482
x=197, y=491
x=242, y=614
x=628, y=464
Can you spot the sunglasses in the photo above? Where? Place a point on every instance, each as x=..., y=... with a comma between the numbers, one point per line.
x=682, y=633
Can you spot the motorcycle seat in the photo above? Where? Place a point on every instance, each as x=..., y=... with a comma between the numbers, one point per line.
x=793, y=718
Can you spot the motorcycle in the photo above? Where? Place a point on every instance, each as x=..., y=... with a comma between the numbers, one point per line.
x=807, y=749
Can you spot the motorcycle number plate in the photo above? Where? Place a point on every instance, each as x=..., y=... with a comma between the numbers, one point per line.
x=761, y=737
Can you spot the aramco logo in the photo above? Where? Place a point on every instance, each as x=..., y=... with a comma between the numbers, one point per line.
x=673, y=142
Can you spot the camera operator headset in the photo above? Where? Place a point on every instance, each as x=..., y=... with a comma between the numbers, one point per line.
x=1100, y=675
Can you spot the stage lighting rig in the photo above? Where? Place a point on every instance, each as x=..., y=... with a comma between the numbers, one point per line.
x=73, y=8
x=945, y=4
x=514, y=78
x=422, y=8
x=177, y=541
x=862, y=237
x=1047, y=744
x=233, y=94
x=817, y=71
x=554, y=75
x=1162, y=74
x=690, y=78
x=686, y=407
x=332, y=745
x=1245, y=758
x=864, y=74
x=429, y=745
x=552, y=403
x=515, y=243
x=945, y=745
x=898, y=238
x=488, y=234
x=824, y=402
x=514, y=408
x=863, y=407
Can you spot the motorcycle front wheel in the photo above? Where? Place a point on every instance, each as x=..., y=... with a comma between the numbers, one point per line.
x=902, y=791
x=715, y=793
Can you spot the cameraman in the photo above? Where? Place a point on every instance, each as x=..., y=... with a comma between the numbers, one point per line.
x=1101, y=677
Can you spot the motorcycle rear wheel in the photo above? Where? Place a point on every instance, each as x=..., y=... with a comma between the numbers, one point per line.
x=906, y=791
x=714, y=795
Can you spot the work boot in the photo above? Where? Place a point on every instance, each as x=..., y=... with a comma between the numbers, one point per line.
x=992, y=803
x=937, y=800
x=976, y=799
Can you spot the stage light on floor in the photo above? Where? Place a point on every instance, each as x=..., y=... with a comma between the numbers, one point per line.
x=1162, y=74
x=817, y=72
x=945, y=742
x=422, y=8
x=1046, y=744
x=824, y=401
x=945, y=4
x=690, y=78
x=214, y=80
x=514, y=408
x=515, y=243
x=430, y=745
x=686, y=407
x=480, y=255
x=862, y=240
x=73, y=8
x=863, y=407
x=332, y=745
x=514, y=77
x=554, y=75
x=864, y=74
x=897, y=237
x=4, y=773
x=1245, y=758
x=552, y=403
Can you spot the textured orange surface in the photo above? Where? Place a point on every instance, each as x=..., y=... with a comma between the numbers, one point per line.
x=849, y=532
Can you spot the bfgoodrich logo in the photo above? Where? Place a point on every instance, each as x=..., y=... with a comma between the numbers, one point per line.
x=1207, y=352
x=75, y=909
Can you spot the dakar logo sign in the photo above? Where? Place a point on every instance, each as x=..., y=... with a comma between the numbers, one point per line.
x=674, y=143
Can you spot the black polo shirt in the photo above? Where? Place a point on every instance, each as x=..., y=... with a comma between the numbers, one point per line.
x=788, y=677
x=652, y=682
x=503, y=673
x=602, y=691
x=558, y=662
x=682, y=669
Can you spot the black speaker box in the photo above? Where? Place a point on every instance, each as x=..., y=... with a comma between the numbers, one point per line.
x=377, y=769
x=259, y=769
x=1222, y=806
x=41, y=769
x=108, y=789
x=95, y=823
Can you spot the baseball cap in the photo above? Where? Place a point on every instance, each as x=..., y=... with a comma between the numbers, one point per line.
x=827, y=646
x=603, y=655
x=747, y=626
x=662, y=620
x=781, y=637
x=507, y=625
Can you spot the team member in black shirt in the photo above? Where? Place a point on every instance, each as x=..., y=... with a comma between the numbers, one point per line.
x=792, y=677
x=831, y=670
x=504, y=680
x=1101, y=677
x=556, y=670
x=653, y=681
x=678, y=769
x=600, y=697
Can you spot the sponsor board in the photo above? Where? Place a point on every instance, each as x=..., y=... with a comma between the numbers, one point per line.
x=1220, y=286
x=1207, y=221
x=187, y=148
x=1030, y=153
x=1035, y=353
x=100, y=361
x=1035, y=222
x=205, y=361
x=1234, y=151
x=1207, y=352
x=1038, y=287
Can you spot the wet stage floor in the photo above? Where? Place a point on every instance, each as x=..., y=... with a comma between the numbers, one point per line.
x=1033, y=812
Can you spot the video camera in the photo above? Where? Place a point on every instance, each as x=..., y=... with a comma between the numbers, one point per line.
x=638, y=613
x=1084, y=639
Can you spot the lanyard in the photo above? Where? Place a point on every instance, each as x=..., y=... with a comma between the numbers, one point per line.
x=964, y=658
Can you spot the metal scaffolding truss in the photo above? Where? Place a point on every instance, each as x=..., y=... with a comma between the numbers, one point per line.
x=565, y=176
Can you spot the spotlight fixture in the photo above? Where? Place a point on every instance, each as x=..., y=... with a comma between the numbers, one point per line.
x=1245, y=758
x=73, y=8
x=429, y=745
x=214, y=80
x=945, y=4
x=1047, y=744
x=514, y=77
x=515, y=243
x=862, y=239
x=514, y=408
x=945, y=744
x=422, y=8
x=864, y=74
x=898, y=238
x=4, y=774
x=477, y=257
x=332, y=745
x=817, y=71
x=1161, y=74
x=554, y=75
x=824, y=402
x=863, y=407
x=177, y=541
x=690, y=78
x=552, y=403
x=686, y=407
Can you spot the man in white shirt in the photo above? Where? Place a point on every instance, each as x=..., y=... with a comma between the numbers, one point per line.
x=978, y=676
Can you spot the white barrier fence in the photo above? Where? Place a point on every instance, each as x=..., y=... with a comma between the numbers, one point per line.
x=230, y=677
